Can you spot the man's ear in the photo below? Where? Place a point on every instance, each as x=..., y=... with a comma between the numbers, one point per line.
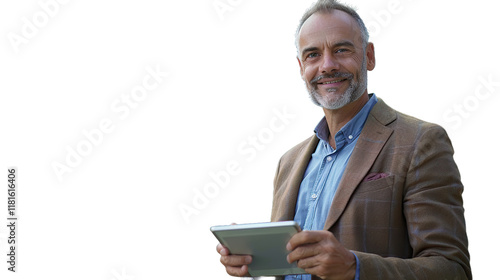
x=300, y=65
x=370, y=57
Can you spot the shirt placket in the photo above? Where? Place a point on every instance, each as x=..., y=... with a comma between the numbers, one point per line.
x=319, y=184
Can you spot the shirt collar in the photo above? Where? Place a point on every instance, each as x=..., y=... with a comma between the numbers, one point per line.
x=351, y=130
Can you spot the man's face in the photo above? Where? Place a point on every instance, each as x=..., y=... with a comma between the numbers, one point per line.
x=333, y=61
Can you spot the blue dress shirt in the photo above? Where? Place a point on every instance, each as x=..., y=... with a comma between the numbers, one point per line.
x=324, y=172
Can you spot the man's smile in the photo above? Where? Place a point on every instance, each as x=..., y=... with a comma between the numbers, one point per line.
x=325, y=82
x=333, y=80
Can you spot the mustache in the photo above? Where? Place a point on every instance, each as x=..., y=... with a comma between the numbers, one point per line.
x=342, y=75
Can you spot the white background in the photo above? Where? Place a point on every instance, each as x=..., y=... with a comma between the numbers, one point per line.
x=117, y=215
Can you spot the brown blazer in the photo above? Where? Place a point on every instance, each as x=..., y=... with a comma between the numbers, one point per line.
x=399, y=204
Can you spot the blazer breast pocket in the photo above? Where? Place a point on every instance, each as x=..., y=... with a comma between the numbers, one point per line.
x=369, y=188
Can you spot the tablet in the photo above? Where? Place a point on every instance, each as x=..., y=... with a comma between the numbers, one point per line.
x=265, y=242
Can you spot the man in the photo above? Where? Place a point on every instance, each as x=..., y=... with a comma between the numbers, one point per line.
x=376, y=192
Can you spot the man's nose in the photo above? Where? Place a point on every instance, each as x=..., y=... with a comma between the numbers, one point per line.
x=329, y=64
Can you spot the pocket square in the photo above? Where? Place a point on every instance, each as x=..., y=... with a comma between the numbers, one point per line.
x=374, y=176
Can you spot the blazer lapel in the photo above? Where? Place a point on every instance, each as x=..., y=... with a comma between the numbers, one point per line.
x=371, y=140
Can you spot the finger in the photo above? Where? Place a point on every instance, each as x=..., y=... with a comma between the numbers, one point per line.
x=303, y=252
x=236, y=260
x=308, y=263
x=221, y=249
x=304, y=237
x=241, y=271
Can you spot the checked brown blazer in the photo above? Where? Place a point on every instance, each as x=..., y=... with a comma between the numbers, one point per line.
x=399, y=204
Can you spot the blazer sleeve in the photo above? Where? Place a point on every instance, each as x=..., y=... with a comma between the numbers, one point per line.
x=434, y=213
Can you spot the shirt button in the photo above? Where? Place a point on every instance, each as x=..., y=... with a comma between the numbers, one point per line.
x=314, y=196
x=329, y=158
x=350, y=137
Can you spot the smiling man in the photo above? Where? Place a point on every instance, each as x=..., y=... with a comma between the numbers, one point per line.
x=376, y=192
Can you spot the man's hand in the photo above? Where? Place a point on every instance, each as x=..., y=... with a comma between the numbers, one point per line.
x=321, y=254
x=236, y=265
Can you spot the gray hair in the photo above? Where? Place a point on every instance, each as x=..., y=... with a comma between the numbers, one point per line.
x=328, y=6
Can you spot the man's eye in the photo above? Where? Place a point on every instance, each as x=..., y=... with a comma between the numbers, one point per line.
x=312, y=55
x=342, y=50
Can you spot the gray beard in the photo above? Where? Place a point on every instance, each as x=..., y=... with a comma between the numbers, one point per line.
x=352, y=93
